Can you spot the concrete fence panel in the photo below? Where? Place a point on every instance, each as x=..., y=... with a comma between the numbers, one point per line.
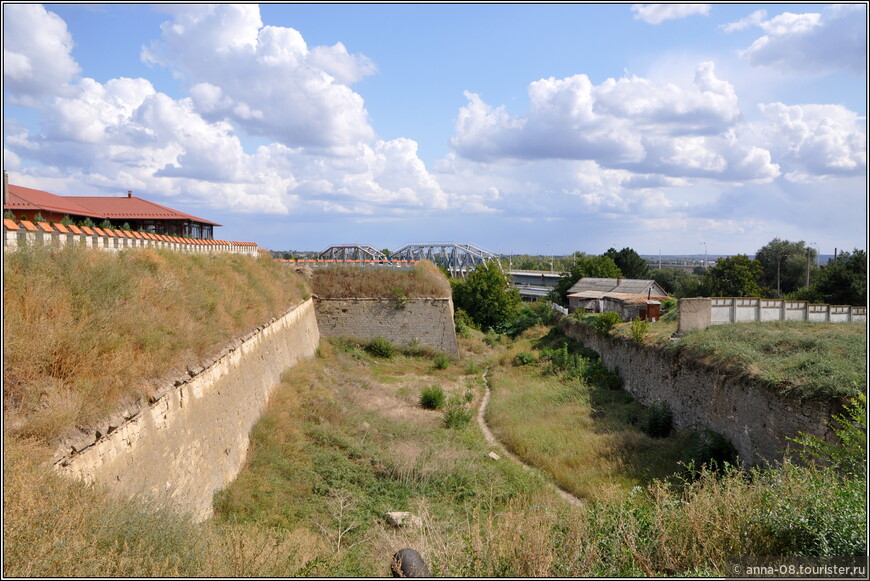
x=700, y=313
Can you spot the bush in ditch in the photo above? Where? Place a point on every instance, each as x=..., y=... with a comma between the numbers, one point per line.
x=432, y=398
x=660, y=422
x=380, y=347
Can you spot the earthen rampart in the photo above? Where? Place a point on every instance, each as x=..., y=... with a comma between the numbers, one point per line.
x=191, y=439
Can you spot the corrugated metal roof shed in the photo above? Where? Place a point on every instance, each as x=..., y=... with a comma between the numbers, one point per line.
x=617, y=286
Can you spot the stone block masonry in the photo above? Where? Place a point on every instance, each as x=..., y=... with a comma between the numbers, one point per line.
x=409, y=322
x=756, y=420
x=191, y=439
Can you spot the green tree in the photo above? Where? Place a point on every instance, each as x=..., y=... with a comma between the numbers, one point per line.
x=734, y=276
x=784, y=265
x=670, y=278
x=586, y=266
x=629, y=262
x=486, y=296
x=842, y=281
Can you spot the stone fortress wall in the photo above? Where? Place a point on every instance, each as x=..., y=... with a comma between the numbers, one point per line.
x=754, y=418
x=191, y=439
x=409, y=322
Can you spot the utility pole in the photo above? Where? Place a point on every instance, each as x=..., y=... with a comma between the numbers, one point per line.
x=705, y=256
x=808, y=266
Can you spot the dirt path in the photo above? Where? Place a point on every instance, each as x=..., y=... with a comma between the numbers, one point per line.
x=493, y=441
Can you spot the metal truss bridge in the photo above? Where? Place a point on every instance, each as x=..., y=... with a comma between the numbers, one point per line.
x=456, y=258
x=352, y=252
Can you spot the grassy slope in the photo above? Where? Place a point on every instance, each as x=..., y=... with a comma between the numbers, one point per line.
x=804, y=360
x=795, y=358
x=423, y=281
x=85, y=329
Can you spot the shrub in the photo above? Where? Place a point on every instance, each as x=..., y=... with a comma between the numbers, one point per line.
x=523, y=359
x=660, y=421
x=605, y=322
x=710, y=449
x=670, y=312
x=441, y=362
x=849, y=455
x=492, y=338
x=639, y=329
x=400, y=296
x=432, y=398
x=457, y=415
x=380, y=347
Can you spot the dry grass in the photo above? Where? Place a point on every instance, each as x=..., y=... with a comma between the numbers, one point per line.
x=56, y=527
x=85, y=329
x=339, y=282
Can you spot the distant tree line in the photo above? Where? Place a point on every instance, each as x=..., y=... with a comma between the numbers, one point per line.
x=781, y=269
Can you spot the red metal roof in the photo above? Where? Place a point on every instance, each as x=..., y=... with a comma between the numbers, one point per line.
x=21, y=198
x=112, y=208
x=125, y=207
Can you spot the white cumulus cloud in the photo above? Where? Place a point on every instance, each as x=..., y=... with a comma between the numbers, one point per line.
x=37, y=60
x=816, y=140
x=810, y=41
x=631, y=123
x=265, y=79
x=658, y=13
x=242, y=78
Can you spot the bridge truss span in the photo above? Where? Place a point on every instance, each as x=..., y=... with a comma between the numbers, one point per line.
x=456, y=258
x=352, y=252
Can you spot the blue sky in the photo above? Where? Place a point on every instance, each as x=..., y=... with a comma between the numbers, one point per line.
x=521, y=128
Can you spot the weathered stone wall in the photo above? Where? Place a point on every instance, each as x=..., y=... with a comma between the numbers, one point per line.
x=754, y=418
x=425, y=322
x=192, y=439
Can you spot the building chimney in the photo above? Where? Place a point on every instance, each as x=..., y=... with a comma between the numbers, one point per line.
x=129, y=193
x=618, y=281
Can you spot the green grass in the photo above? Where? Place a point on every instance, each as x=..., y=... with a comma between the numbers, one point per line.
x=563, y=415
x=799, y=359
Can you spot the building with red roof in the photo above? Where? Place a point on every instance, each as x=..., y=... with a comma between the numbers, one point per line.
x=137, y=213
